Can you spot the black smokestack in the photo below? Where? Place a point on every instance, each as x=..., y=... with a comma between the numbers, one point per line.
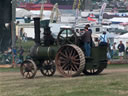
x=37, y=30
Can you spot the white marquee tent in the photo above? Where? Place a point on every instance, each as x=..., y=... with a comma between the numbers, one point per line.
x=20, y=12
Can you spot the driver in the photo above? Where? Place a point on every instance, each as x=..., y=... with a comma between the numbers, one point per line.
x=86, y=38
x=48, y=38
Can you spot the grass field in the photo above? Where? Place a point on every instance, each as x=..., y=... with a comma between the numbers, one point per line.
x=112, y=82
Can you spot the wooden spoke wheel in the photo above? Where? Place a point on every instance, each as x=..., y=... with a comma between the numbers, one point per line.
x=28, y=69
x=93, y=71
x=66, y=36
x=48, y=68
x=70, y=60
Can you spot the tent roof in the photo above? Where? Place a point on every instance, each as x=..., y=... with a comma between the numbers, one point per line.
x=123, y=36
x=20, y=12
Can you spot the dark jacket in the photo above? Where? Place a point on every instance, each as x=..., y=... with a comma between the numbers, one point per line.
x=86, y=37
x=127, y=50
x=21, y=51
x=121, y=47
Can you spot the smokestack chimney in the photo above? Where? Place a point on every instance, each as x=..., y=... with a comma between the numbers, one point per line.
x=37, y=30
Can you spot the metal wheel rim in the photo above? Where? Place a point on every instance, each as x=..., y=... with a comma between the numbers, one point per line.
x=68, y=63
x=93, y=71
x=49, y=71
x=28, y=69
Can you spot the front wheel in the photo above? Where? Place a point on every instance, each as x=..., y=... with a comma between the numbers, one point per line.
x=28, y=69
x=48, y=68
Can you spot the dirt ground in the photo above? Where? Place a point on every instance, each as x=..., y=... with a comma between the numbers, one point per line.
x=117, y=61
x=121, y=70
x=105, y=71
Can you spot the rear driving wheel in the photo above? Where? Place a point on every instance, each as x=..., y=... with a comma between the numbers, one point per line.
x=70, y=60
x=93, y=71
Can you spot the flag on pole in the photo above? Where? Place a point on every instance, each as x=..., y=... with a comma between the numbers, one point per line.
x=101, y=13
x=91, y=19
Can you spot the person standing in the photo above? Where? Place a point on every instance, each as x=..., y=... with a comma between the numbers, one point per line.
x=23, y=36
x=89, y=29
x=121, y=49
x=88, y=26
x=86, y=38
x=21, y=52
x=21, y=33
x=9, y=50
x=103, y=39
x=108, y=50
x=126, y=50
x=9, y=54
x=113, y=49
x=26, y=37
x=14, y=51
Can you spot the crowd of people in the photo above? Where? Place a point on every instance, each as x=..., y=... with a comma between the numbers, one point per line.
x=13, y=55
x=120, y=50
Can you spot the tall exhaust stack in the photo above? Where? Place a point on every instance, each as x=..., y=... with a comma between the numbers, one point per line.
x=37, y=30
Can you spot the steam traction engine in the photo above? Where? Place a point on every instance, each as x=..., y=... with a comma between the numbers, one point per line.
x=66, y=54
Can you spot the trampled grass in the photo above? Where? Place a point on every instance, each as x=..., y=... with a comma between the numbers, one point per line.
x=108, y=83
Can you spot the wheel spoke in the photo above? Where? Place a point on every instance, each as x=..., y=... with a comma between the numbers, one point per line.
x=24, y=65
x=68, y=41
x=65, y=51
x=74, y=54
x=64, y=65
x=76, y=59
x=71, y=71
x=51, y=70
x=68, y=70
x=76, y=63
x=62, y=54
x=62, y=37
x=63, y=62
x=48, y=68
x=71, y=52
x=32, y=71
x=27, y=75
x=47, y=62
x=66, y=33
x=47, y=72
x=73, y=64
x=62, y=58
x=24, y=72
x=68, y=51
x=73, y=68
x=91, y=71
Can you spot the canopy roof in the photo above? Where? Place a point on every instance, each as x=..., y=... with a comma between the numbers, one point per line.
x=20, y=12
